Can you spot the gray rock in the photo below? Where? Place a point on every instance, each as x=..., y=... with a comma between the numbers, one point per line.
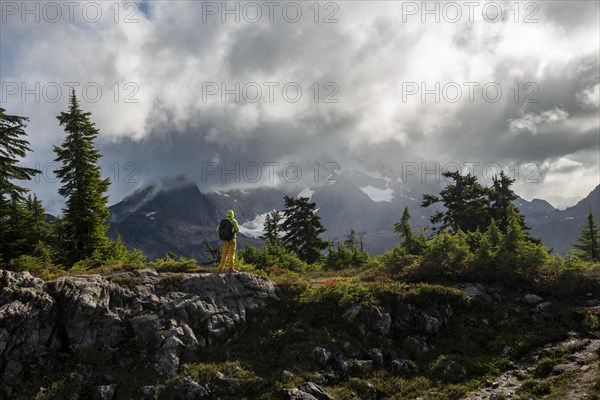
x=431, y=324
x=104, y=392
x=471, y=291
x=380, y=322
x=351, y=313
x=168, y=357
x=375, y=355
x=145, y=328
x=286, y=375
x=545, y=306
x=13, y=369
x=532, y=298
x=320, y=355
x=145, y=272
x=75, y=314
x=403, y=367
x=417, y=344
x=148, y=391
x=506, y=350
x=192, y=390
x=317, y=391
x=341, y=366
x=296, y=394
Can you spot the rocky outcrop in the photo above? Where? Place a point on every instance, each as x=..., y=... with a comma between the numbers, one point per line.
x=168, y=316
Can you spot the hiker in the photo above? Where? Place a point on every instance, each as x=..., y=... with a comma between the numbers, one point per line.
x=227, y=229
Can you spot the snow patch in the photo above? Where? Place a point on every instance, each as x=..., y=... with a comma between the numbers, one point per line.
x=378, y=195
x=307, y=192
x=151, y=213
x=255, y=227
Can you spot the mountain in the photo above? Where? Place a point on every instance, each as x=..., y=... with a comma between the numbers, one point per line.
x=176, y=216
x=173, y=216
x=559, y=228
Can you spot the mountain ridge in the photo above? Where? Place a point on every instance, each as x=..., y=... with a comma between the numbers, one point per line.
x=178, y=217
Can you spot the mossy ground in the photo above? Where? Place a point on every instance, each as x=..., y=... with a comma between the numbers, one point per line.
x=467, y=352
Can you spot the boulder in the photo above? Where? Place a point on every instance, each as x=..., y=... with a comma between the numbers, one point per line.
x=431, y=324
x=104, y=392
x=545, y=306
x=380, y=322
x=148, y=391
x=352, y=312
x=317, y=391
x=296, y=394
x=471, y=290
x=286, y=375
x=403, y=367
x=193, y=390
x=532, y=298
x=320, y=355
x=375, y=355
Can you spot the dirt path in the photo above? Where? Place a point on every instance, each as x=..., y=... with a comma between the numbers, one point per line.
x=570, y=379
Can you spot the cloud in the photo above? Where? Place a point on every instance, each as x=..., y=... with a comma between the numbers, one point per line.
x=528, y=91
x=531, y=121
x=589, y=98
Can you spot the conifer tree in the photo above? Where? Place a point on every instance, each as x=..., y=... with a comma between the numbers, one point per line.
x=466, y=203
x=40, y=229
x=588, y=241
x=407, y=237
x=12, y=148
x=350, y=241
x=302, y=227
x=272, y=227
x=501, y=197
x=493, y=235
x=514, y=232
x=86, y=209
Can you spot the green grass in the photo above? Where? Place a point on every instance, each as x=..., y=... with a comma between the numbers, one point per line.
x=464, y=354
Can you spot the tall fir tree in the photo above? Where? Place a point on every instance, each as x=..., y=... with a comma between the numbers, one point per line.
x=13, y=147
x=588, y=241
x=407, y=236
x=514, y=232
x=466, y=203
x=350, y=241
x=272, y=227
x=501, y=197
x=493, y=235
x=40, y=230
x=86, y=209
x=302, y=227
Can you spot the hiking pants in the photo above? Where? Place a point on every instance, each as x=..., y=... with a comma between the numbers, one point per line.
x=227, y=254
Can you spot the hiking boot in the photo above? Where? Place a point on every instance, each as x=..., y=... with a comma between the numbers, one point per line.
x=232, y=269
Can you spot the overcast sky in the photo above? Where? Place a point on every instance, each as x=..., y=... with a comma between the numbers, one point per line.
x=381, y=86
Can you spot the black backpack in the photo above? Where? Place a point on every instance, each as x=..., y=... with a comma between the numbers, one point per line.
x=226, y=229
